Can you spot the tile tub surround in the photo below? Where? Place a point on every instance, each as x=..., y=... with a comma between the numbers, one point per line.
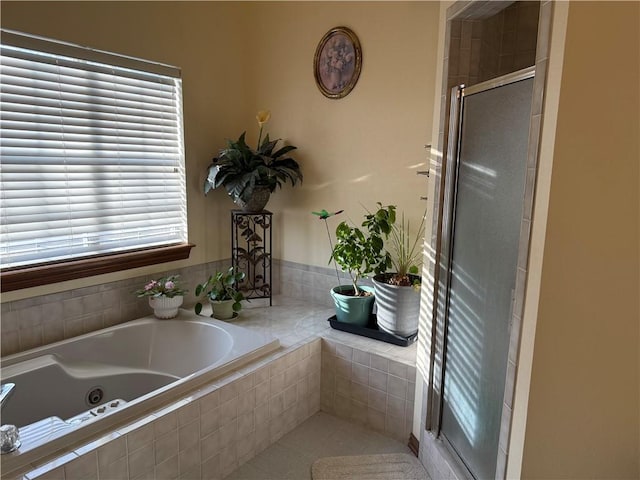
x=37, y=321
x=208, y=433
x=33, y=322
x=368, y=389
x=207, y=441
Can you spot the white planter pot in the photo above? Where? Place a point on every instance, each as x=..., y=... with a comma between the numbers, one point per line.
x=165, y=307
x=398, y=308
x=222, y=310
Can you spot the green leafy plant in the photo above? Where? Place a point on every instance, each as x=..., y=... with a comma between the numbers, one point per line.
x=241, y=169
x=405, y=252
x=162, y=287
x=221, y=286
x=361, y=253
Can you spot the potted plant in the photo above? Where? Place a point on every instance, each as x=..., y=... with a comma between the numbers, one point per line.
x=361, y=253
x=220, y=289
x=165, y=296
x=398, y=293
x=250, y=176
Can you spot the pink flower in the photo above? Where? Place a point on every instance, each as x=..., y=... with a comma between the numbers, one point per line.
x=150, y=285
x=169, y=285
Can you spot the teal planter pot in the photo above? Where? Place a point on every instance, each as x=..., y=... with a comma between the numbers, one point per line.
x=350, y=309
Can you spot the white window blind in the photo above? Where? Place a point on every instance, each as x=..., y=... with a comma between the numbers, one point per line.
x=91, y=152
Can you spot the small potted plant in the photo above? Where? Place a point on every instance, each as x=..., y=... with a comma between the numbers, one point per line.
x=398, y=292
x=165, y=296
x=361, y=253
x=220, y=289
x=250, y=176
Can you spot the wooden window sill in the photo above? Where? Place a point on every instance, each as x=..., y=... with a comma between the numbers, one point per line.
x=44, y=274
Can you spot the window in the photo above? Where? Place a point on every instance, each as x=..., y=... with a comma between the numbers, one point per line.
x=92, y=156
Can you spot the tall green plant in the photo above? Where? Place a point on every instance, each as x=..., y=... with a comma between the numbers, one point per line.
x=406, y=255
x=361, y=253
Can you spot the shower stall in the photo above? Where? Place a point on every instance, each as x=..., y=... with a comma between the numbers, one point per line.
x=480, y=240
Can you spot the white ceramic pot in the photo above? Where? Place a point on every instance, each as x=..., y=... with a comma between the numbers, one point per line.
x=165, y=307
x=398, y=307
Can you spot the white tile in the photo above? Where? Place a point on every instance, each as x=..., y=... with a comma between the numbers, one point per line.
x=82, y=467
x=209, y=421
x=112, y=451
x=379, y=363
x=262, y=392
x=246, y=426
x=342, y=351
x=377, y=399
x=141, y=461
x=166, y=470
x=276, y=384
x=398, y=369
x=140, y=437
x=276, y=405
x=211, y=468
x=245, y=450
x=209, y=401
x=245, y=383
x=188, y=413
x=290, y=376
x=188, y=460
x=395, y=406
x=290, y=396
x=229, y=433
x=228, y=460
x=360, y=373
x=261, y=414
x=359, y=392
x=228, y=392
x=189, y=435
x=378, y=380
x=363, y=358
x=165, y=423
x=115, y=469
x=166, y=446
x=397, y=386
x=228, y=411
x=210, y=445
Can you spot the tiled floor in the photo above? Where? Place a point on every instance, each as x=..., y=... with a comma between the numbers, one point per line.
x=322, y=435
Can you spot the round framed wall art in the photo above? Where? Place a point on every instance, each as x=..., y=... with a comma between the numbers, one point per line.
x=337, y=62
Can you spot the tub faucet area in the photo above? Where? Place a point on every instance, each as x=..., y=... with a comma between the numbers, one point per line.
x=9, y=436
x=6, y=389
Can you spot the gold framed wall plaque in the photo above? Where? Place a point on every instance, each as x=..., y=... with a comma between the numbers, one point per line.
x=337, y=62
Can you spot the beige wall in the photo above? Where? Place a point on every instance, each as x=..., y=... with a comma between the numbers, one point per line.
x=363, y=148
x=239, y=57
x=582, y=416
x=576, y=411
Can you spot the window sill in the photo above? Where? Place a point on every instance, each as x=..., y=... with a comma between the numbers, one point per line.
x=44, y=274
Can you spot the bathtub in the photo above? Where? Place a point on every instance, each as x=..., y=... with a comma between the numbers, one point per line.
x=78, y=387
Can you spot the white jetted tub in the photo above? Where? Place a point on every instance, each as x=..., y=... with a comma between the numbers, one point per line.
x=68, y=388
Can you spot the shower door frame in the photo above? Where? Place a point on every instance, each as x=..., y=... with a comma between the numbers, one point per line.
x=435, y=392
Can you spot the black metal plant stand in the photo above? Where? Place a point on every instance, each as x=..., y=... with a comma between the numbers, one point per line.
x=251, y=251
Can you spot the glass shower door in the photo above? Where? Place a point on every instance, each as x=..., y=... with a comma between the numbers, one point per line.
x=486, y=212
